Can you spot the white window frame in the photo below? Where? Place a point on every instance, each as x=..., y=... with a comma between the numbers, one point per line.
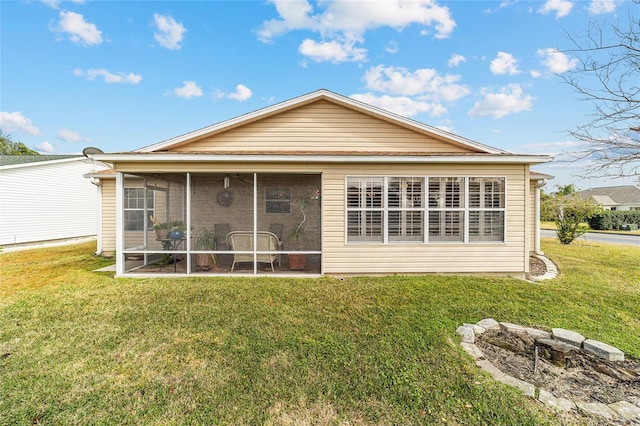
x=465, y=210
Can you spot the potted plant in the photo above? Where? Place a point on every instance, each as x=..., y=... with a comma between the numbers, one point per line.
x=161, y=228
x=297, y=261
x=176, y=230
x=206, y=241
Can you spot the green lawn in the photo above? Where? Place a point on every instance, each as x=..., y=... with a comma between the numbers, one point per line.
x=79, y=347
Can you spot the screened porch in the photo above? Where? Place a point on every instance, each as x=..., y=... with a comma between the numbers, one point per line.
x=219, y=223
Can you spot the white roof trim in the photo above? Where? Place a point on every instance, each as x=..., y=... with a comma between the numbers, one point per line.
x=319, y=94
x=319, y=158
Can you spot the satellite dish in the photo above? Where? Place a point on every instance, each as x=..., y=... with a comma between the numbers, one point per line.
x=89, y=151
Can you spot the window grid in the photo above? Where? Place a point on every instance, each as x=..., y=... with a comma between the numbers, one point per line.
x=453, y=209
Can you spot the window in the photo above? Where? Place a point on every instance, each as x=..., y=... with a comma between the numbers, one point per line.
x=486, y=209
x=365, y=210
x=277, y=200
x=134, y=213
x=447, y=209
x=406, y=209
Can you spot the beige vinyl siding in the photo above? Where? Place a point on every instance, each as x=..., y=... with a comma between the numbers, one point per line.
x=108, y=216
x=340, y=258
x=325, y=127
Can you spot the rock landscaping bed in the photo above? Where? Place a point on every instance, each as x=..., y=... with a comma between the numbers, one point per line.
x=561, y=368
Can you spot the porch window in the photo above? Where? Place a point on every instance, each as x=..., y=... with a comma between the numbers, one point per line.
x=277, y=200
x=134, y=213
x=406, y=209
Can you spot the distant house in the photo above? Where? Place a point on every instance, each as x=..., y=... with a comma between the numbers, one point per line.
x=353, y=188
x=626, y=197
x=46, y=197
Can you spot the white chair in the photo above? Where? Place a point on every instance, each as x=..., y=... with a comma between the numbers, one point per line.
x=241, y=242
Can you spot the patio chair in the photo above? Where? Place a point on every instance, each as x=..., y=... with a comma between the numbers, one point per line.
x=242, y=241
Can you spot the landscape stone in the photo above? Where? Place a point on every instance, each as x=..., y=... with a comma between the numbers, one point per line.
x=597, y=408
x=527, y=388
x=537, y=333
x=488, y=323
x=602, y=350
x=634, y=400
x=476, y=328
x=468, y=336
x=562, y=404
x=514, y=328
x=568, y=336
x=472, y=350
x=626, y=410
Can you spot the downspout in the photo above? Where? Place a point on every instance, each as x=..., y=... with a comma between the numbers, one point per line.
x=537, y=219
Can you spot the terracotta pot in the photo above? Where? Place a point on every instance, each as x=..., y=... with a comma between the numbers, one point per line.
x=297, y=261
x=161, y=234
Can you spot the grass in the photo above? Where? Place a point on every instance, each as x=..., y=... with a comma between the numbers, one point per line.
x=80, y=347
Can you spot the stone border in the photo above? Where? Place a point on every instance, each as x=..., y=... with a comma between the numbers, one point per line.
x=552, y=269
x=619, y=411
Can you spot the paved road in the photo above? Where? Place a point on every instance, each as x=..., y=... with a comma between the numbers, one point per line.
x=631, y=240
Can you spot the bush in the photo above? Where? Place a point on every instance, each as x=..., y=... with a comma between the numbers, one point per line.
x=609, y=219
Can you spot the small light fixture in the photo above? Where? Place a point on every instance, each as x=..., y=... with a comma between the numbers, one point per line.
x=226, y=182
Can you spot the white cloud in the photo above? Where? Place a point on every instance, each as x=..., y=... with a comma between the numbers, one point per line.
x=242, y=93
x=598, y=7
x=170, y=33
x=69, y=135
x=508, y=100
x=109, y=77
x=536, y=74
x=401, y=105
x=79, y=31
x=55, y=4
x=344, y=23
x=45, y=147
x=556, y=61
x=188, y=90
x=425, y=82
x=560, y=7
x=392, y=47
x=504, y=63
x=12, y=121
x=456, y=60
x=332, y=51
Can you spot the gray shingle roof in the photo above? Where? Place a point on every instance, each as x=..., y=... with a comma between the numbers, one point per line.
x=627, y=194
x=10, y=160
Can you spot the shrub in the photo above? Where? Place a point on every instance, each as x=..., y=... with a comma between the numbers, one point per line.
x=614, y=219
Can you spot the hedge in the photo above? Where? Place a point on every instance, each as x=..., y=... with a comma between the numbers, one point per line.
x=614, y=219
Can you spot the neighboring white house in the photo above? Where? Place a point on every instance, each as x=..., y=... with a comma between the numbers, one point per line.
x=626, y=197
x=46, y=197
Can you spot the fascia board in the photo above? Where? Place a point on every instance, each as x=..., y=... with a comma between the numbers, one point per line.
x=212, y=158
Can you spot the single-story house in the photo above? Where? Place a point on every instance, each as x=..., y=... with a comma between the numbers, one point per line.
x=46, y=197
x=353, y=188
x=624, y=197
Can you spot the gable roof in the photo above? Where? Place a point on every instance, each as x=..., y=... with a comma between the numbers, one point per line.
x=613, y=195
x=316, y=96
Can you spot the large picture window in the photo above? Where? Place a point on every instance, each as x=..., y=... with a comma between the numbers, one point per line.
x=134, y=209
x=447, y=209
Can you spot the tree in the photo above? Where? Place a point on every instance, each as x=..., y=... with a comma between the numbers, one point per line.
x=9, y=147
x=569, y=212
x=607, y=75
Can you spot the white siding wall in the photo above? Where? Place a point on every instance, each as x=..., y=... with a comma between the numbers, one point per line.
x=47, y=201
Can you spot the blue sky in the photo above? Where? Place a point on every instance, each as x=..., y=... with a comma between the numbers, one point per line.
x=120, y=75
